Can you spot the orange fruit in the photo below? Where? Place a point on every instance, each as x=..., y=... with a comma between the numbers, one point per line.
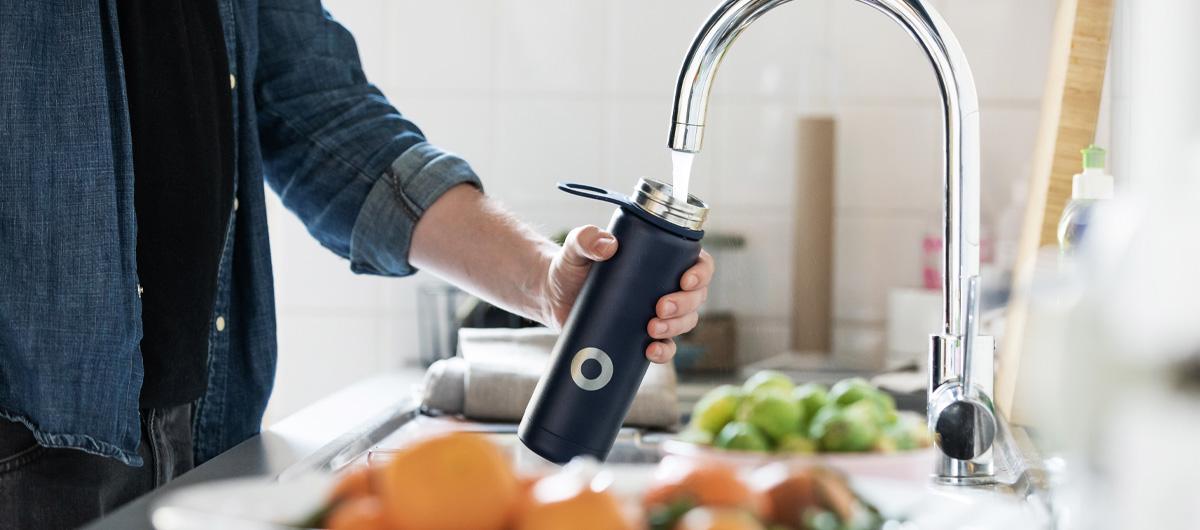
x=524, y=495
x=718, y=519
x=364, y=513
x=454, y=481
x=791, y=493
x=353, y=485
x=707, y=485
x=559, y=503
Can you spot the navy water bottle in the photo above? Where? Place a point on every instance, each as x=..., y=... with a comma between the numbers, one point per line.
x=600, y=358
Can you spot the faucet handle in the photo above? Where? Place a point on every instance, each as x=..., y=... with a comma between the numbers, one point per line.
x=964, y=422
x=964, y=425
x=971, y=332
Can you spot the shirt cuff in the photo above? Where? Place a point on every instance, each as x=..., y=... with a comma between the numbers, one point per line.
x=383, y=230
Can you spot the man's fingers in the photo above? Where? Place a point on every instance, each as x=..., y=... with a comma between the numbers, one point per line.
x=671, y=327
x=700, y=274
x=586, y=244
x=680, y=303
x=661, y=351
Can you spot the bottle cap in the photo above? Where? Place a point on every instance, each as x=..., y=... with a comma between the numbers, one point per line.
x=1094, y=157
x=1094, y=183
x=656, y=198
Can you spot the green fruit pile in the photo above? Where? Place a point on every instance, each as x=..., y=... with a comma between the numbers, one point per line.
x=769, y=413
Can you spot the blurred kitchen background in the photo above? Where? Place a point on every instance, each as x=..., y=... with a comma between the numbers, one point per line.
x=532, y=92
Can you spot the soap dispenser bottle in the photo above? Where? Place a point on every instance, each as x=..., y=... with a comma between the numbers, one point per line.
x=1088, y=189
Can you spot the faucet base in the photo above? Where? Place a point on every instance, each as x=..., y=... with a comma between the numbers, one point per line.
x=983, y=480
x=976, y=472
x=962, y=420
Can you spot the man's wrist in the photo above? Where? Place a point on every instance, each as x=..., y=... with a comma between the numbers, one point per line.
x=542, y=308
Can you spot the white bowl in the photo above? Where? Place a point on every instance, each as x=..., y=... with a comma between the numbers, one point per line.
x=915, y=465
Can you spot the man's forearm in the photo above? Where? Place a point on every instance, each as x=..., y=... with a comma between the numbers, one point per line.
x=471, y=241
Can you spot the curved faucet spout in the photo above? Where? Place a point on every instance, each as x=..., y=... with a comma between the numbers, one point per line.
x=952, y=359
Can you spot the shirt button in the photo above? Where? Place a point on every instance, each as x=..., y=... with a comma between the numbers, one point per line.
x=232, y=82
x=235, y=204
x=140, y=290
x=220, y=323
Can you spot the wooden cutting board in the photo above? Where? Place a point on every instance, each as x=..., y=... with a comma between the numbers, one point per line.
x=1070, y=111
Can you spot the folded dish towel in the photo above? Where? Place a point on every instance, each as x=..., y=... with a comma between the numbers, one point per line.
x=497, y=370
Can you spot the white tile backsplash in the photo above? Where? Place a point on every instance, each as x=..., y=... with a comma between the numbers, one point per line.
x=873, y=253
x=1007, y=42
x=874, y=59
x=889, y=158
x=550, y=46
x=398, y=332
x=1009, y=133
x=461, y=31
x=756, y=281
x=646, y=43
x=370, y=32
x=309, y=276
x=543, y=140
x=320, y=354
x=759, y=339
x=754, y=145
x=859, y=344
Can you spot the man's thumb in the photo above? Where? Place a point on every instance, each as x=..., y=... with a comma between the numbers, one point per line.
x=586, y=244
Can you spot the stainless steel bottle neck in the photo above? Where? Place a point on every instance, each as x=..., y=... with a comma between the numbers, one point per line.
x=656, y=199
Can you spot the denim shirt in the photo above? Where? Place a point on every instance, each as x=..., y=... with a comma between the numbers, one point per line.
x=356, y=172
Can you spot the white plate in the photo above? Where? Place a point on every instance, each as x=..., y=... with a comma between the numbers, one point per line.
x=916, y=465
x=922, y=506
x=242, y=504
x=259, y=504
x=932, y=507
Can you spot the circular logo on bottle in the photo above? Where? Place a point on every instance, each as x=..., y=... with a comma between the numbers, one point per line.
x=601, y=379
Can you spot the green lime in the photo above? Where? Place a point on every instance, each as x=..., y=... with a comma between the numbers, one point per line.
x=742, y=436
x=774, y=413
x=811, y=397
x=796, y=443
x=886, y=405
x=908, y=432
x=850, y=391
x=886, y=443
x=716, y=408
x=768, y=381
x=852, y=428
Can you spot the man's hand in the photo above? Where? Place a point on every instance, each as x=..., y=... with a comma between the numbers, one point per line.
x=675, y=313
x=473, y=242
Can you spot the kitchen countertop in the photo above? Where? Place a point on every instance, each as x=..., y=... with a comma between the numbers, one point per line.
x=285, y=443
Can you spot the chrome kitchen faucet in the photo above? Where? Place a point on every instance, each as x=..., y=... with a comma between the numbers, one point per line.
x=960, y=409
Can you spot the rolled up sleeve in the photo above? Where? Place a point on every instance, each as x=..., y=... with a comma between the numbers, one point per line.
x=357, y=173
x=383, y=232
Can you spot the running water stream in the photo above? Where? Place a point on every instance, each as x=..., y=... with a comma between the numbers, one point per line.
x=681, y=173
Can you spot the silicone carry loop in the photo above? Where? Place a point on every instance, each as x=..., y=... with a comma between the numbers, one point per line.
x=592, y=192
x=601, y=194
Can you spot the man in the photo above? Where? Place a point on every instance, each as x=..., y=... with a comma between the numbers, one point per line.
x=137, y=331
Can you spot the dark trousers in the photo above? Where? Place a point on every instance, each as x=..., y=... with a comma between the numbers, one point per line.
x=42, y=488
